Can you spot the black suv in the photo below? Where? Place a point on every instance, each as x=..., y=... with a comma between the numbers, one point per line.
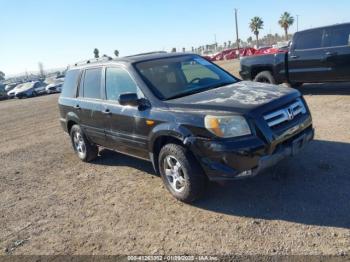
x=194, y=121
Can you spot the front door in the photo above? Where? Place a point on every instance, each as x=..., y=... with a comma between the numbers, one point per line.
x=125, y=125
x=306, y=61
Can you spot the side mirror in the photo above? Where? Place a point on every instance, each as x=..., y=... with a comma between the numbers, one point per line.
x=129, y=99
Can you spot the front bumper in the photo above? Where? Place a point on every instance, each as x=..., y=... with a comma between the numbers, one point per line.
x=246, y=157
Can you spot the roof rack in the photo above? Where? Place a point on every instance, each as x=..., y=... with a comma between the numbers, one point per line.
x=94, y=60
x=149, y=53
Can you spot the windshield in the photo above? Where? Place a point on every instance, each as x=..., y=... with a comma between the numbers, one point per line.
x=26, y=85
x=175, y=77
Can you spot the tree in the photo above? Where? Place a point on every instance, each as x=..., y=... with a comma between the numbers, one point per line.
x=285, y=22
x=2, y=76
x=96, y=53
x=250, y=39
x=255, y=25
x=116, y=53
x=173, y=50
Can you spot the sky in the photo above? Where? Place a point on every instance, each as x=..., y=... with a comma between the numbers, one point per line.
x=58, y=33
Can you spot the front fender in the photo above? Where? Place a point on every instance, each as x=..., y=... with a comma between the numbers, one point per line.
x=170, y=130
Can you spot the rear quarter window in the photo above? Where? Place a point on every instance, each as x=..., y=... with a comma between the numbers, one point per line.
x=69, y=87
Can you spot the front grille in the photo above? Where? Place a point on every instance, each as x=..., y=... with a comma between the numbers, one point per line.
x=285, y=114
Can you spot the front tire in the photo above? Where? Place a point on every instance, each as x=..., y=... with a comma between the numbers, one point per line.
x=181, y=173
x=265, y=77
x=81, y=145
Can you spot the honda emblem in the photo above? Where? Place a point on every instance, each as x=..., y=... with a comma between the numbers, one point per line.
x=290, y=114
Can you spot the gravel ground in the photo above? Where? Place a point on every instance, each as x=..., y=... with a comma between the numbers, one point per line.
x=51, y=203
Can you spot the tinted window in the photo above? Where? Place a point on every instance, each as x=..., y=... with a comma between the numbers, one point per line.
x=309, y=39
x=340, y=36
x=118, y=81
x=180, y=76
x=92, y=83
x=69, y=88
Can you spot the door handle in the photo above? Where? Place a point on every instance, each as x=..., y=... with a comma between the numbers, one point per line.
x=77, y=107
x=294, y=56
x=106, y=112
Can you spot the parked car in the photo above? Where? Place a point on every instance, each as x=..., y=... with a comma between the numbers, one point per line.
x=191, y=119
x=55, y=86
x=11, y=86
x=12, y=92
x=28, y=89
x=315, y=55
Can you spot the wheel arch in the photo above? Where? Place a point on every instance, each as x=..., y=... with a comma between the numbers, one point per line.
x=165, y=134
x=258, y=69
x=71, y=120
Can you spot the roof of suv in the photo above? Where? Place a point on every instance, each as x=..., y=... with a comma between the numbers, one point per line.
x=129, y=59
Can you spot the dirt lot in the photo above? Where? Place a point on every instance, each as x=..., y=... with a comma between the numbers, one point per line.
x=51, y=203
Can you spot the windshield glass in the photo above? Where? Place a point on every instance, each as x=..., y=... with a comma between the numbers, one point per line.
x=175, y=77
x=25, y=85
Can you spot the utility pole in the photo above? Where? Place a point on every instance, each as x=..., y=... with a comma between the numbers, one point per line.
x=297, y=23
x=237, y=38
x=215, y=43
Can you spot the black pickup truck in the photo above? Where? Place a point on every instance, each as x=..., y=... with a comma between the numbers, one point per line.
x=314, y=56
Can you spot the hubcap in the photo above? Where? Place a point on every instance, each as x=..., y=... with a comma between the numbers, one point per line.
x=174, y=173
x=79, y=144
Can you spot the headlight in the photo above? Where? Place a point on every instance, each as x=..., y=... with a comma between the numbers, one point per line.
x=227, y=126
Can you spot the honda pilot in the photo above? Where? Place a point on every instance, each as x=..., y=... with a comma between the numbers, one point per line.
x=191, y=119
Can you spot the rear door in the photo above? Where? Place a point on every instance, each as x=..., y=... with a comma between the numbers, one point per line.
x=306, y=60
x=337, y=55
x=126, y=129
x=89, y=105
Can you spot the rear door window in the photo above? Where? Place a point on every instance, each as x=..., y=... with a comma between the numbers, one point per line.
x=340, y=36
x=309, y=40
x=69, y=88
x=92, y=83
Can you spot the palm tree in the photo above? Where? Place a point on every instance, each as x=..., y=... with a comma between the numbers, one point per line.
x=116, y=53
x=255, y=25
x=96, y=53
x=285, y=22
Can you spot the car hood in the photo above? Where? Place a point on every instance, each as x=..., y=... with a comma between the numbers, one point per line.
x=23, y=88
x=240, y=97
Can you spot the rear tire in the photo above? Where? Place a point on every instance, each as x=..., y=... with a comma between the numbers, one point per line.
x=81, y=145
x=181, y=173
x=265, y=77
